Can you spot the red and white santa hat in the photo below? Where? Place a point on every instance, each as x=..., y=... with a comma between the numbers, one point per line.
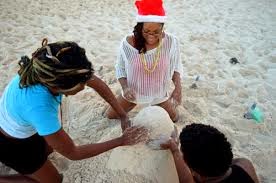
x=150, y=11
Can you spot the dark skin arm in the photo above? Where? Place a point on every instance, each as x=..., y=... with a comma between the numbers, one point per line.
x=128, y=93
x=183, y=171
x=104, y=91
x=63, y=144
x=176, y=95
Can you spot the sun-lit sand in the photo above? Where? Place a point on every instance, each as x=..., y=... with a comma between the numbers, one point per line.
x=210, y=33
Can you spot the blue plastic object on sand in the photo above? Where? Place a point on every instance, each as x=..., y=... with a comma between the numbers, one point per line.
x=254, y=113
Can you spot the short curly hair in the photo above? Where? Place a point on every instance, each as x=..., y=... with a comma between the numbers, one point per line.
x=206, y=150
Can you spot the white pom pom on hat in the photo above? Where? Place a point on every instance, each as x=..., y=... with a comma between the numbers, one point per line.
x=150, y=11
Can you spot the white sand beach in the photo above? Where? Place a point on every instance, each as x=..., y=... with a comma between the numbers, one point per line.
x=210, y=33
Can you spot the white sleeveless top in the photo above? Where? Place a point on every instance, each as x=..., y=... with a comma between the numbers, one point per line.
x=149, y=86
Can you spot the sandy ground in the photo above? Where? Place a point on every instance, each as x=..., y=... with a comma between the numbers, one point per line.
x=210, y=33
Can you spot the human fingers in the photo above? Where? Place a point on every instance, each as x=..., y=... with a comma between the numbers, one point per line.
x=141, y=135
x=165, y=145
x=135, y=135
x=132, y=95
x=174, y=133
x=131, y=130
x=128, y=95
x=137, y=131
x=138, y=139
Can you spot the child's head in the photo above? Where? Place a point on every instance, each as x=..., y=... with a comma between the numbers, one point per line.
x=206, y=150
x=61, y=65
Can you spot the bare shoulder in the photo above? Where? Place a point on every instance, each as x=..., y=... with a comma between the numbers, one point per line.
x=130, y=40
x=247, y=165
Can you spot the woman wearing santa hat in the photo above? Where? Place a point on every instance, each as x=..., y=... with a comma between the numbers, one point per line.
x=148, y=61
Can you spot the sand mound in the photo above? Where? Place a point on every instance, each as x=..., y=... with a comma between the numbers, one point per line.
x=154, y=165
x=209, y=32
x=158, y=122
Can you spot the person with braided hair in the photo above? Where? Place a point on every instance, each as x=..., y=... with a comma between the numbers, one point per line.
x=29, y=126
x=148, y=61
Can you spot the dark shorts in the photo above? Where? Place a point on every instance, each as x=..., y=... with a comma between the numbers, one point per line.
x=23, y=155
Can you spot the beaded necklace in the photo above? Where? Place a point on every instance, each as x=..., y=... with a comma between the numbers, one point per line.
x=155, y=62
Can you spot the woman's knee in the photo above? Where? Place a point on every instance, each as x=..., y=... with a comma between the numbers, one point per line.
x=168, y=106
x=47, y=173
x=126, y=105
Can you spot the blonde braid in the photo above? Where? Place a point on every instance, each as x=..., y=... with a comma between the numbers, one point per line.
x=38, y=69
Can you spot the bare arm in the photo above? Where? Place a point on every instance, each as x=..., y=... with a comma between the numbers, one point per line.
x=123, y=82
x=247, y=166
x=63, y=144
x=176, y=80
x=104, y=91
x=183, y=171
x=128, y=93
x=177, y=94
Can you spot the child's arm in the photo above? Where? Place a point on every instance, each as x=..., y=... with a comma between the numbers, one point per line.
x=183, y=171
x=63, y=144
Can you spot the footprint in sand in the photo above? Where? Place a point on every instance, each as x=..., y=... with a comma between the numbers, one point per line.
x=193, y=108
x=184, y=116
x=248, y=73
x=223, y=101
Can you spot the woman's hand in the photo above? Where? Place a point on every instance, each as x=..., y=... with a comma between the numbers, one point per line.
x=134, y=135
x=129, y=94
x=172, y=144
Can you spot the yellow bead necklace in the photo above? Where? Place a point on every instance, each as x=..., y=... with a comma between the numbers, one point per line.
x=155, y=62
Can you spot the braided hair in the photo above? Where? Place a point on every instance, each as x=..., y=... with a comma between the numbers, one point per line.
x=62, y=65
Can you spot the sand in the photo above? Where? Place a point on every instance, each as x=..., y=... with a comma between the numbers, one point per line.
x=210, y=33
x=148, y=160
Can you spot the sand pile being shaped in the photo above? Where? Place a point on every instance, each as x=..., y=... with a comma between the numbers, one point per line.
x=154, y=165
x=158, y=122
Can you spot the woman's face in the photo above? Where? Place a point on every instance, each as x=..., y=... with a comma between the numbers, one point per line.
x=152, y=32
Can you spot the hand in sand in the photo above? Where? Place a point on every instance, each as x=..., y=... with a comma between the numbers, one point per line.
x=129, y=94
x=134, y=135
x=172, y=144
